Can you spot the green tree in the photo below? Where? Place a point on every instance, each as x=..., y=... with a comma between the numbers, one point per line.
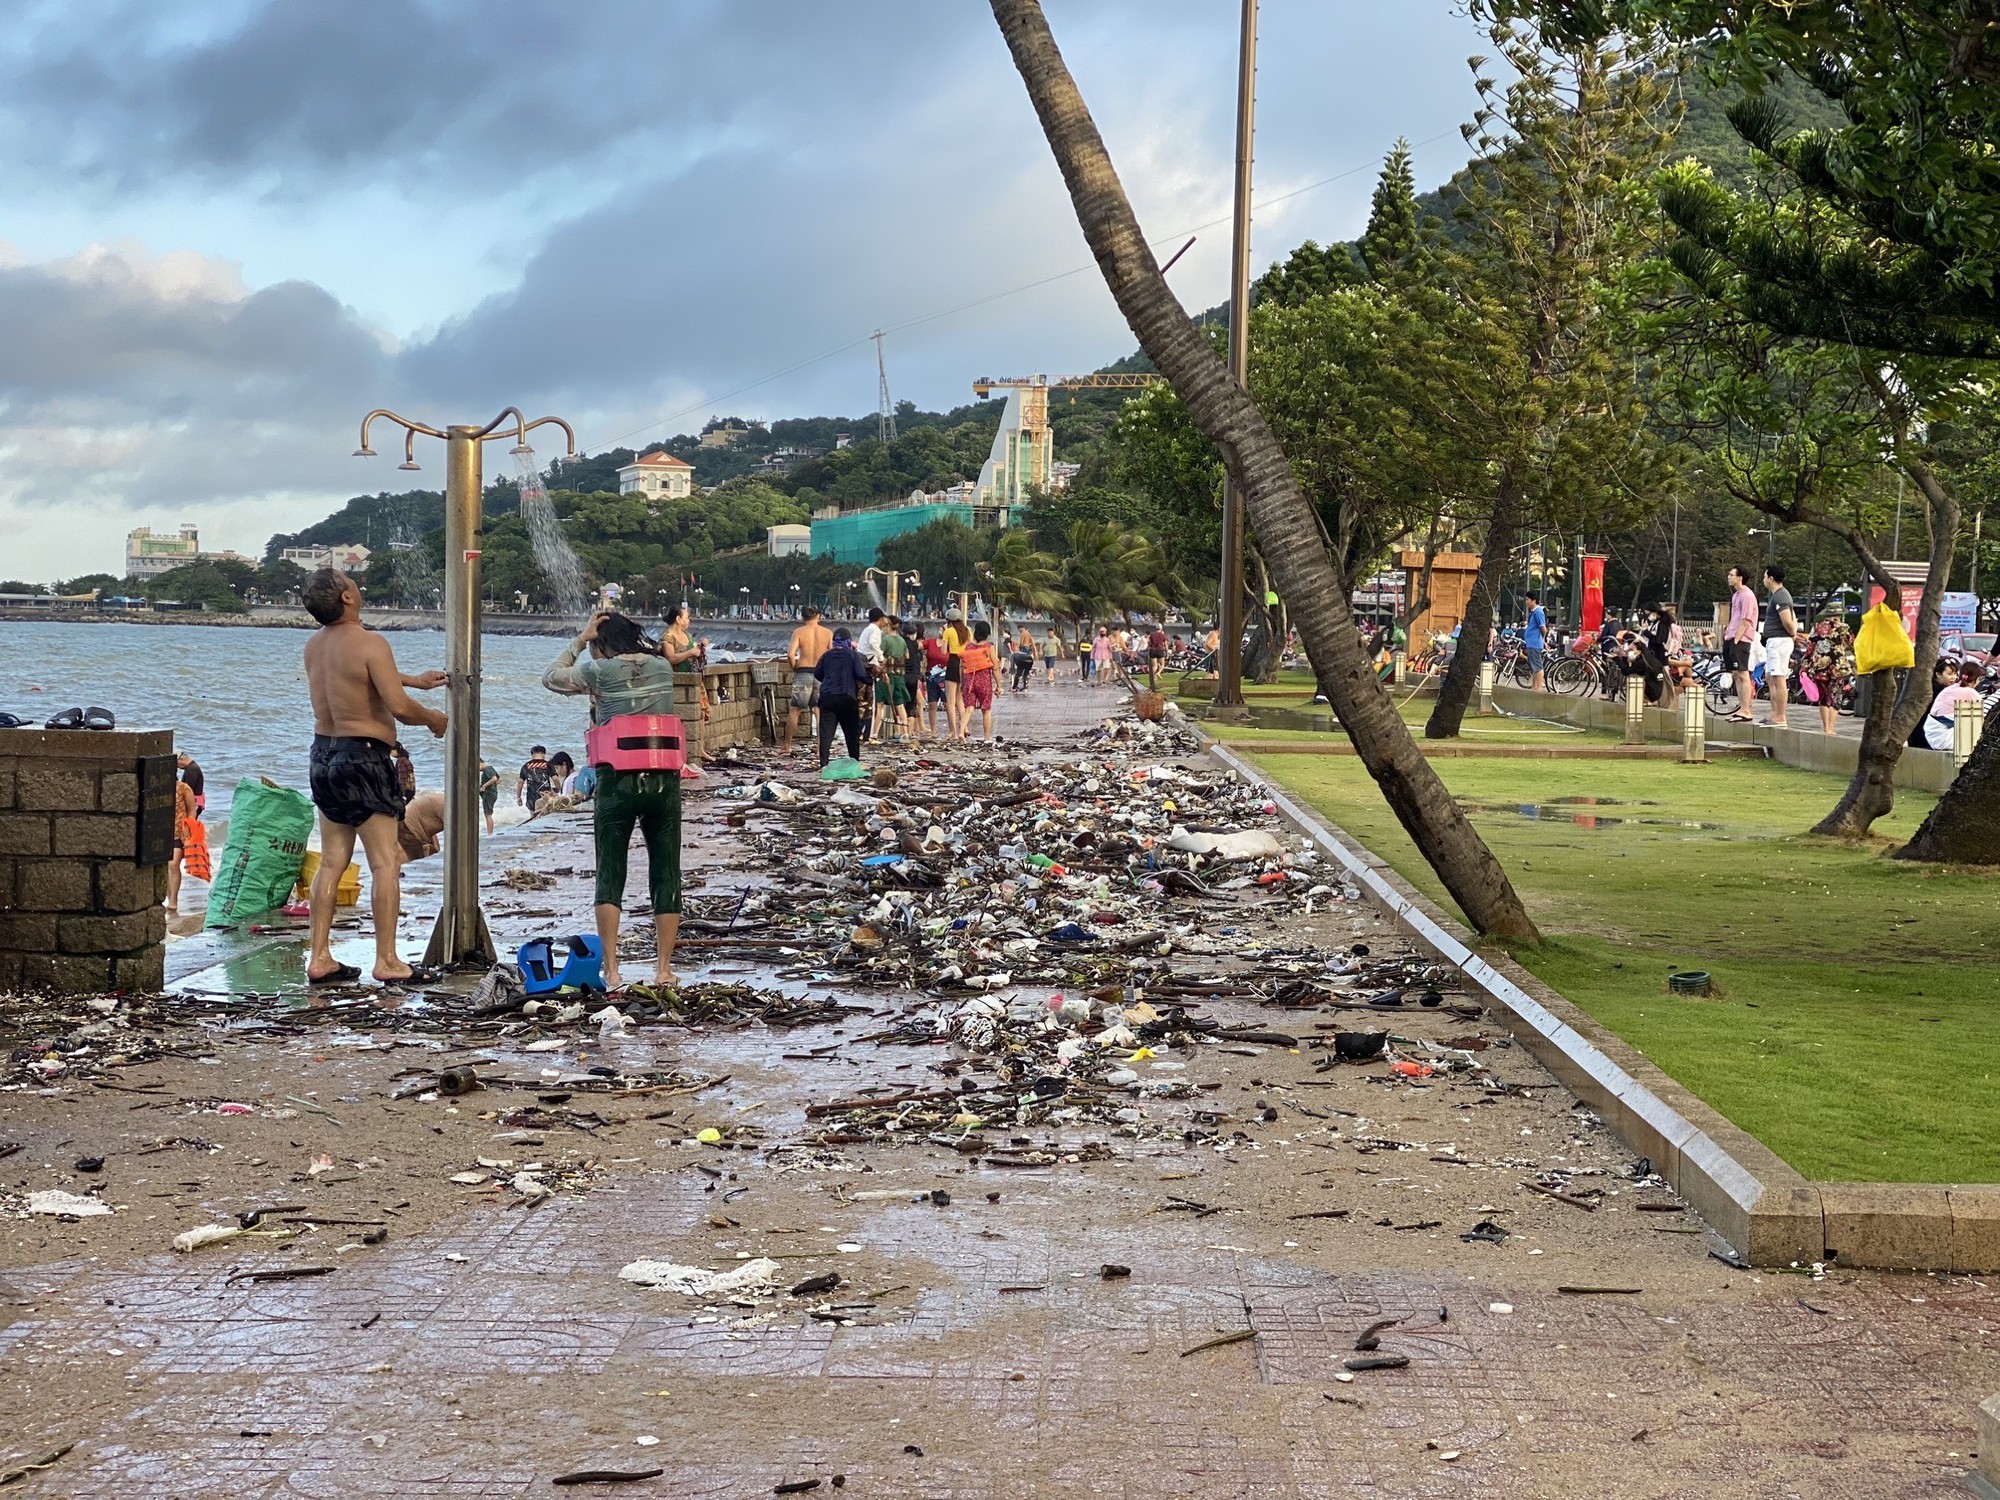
x=1554, y=214
x=103, y=583
x=207, y=584
x=946, y=553
x=282, y=579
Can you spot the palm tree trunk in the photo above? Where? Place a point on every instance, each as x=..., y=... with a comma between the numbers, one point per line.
x=1286, y=525
x=1482, y=607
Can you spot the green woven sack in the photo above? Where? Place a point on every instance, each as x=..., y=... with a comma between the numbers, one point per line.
x=268, y=828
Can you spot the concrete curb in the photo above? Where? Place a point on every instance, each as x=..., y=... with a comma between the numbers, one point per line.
x=1767, y=1212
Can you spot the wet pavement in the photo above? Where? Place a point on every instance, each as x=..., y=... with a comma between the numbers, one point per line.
x=1584, y=1342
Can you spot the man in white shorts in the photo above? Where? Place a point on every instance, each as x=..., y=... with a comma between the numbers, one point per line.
x=1781, y=629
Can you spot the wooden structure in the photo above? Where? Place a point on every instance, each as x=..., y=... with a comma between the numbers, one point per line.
x=1452, y=577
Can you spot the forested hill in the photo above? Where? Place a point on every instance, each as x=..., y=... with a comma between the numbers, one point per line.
x=933, y=448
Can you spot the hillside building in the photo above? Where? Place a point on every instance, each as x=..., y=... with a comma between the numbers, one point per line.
x=657, y=476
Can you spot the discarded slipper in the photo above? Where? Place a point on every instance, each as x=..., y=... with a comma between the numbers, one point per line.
x=99, y=718
x=69, y=718
x=339, y=974
x=12, y=721
x=1387, y=1000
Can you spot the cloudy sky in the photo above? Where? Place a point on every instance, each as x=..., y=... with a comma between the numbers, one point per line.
x=232, y=226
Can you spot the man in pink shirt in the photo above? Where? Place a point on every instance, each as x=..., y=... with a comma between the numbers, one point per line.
x=1736, y=639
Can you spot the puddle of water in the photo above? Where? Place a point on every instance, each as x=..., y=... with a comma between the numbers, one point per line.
x=1575, y=811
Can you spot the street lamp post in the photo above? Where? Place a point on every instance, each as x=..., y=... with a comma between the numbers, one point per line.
x=1229, y=689
x=460, y=935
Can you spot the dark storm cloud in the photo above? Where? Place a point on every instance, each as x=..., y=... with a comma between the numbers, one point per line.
x=302, y=91
x=111, y=322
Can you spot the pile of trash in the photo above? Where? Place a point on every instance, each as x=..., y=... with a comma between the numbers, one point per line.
x=1074, y=873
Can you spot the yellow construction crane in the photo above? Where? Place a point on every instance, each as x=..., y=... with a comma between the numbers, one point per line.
x=1024, y=451
x=986, y=385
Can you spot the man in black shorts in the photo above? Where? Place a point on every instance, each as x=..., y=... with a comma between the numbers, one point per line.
x=358, y=699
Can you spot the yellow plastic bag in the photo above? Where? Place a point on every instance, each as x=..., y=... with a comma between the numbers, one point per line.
x=1881, y=643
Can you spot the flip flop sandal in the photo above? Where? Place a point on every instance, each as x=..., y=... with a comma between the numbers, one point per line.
x=420, y=974
x=99, y=718
x=13, y=721
x=339, y=974
x=69, y=718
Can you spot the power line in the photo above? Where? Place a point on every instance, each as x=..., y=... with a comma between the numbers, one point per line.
x=711, y=402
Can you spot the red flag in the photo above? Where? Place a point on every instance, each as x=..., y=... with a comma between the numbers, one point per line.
x=1593, y=594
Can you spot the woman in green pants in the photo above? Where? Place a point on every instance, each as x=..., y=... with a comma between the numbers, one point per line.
x=626, y=674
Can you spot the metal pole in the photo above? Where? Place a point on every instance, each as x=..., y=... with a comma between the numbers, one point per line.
x=1229, y=689
x=460, y=935
x=1674, y=562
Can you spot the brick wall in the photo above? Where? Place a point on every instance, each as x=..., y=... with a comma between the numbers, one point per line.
x=79, y=913
x=740, y=721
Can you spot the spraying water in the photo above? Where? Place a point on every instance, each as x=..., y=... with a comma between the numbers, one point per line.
x=552, y=550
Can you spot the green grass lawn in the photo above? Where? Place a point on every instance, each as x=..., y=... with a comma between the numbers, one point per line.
x=1857, y=1032
x=1494, y=730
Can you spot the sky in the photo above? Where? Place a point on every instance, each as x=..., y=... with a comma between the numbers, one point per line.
x=234, y=226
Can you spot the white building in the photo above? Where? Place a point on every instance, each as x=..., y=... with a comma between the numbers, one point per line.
x=657, y=476
x=149, y=553
x=350, y=557
x=789, y=541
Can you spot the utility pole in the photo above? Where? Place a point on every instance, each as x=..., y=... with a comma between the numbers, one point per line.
x=885, y=413
x=1229, y=689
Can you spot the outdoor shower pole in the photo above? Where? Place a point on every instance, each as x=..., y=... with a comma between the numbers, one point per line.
x=460, y=935
x=1229, y=689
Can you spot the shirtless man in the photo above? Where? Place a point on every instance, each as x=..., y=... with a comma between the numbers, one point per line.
x=809, y=643
x=358, y=698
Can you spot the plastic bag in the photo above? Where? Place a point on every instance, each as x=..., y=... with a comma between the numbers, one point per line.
x=843, y=769
x=268, y=828
x=1881, y=644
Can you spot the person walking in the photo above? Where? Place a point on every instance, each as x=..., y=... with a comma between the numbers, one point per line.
x=892, y=688
x=1100, y=657
x=1781, y=631
x=358, y=698
x=1051, y=654
x=936, y=663
x=1156, y=657
x=1535, y=641
x=841, y=674
x=489, y=792
x=914, y=667
x=1827, y=661
x=1022, y=660
x=627, y=674
x=808, y=645
x=869, y=645
x=534, y=778
x=1736, y=637
x=980, y=670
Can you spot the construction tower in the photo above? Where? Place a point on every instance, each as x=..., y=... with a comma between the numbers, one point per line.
x=885, y=418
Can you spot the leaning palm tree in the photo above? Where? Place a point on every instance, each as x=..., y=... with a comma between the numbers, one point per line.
x=1023, y=577
x=1286, y=525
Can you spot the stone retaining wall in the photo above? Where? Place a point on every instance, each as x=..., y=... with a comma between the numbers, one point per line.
x=86, y=832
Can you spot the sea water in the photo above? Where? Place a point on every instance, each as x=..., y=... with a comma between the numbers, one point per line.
x=235, y=696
